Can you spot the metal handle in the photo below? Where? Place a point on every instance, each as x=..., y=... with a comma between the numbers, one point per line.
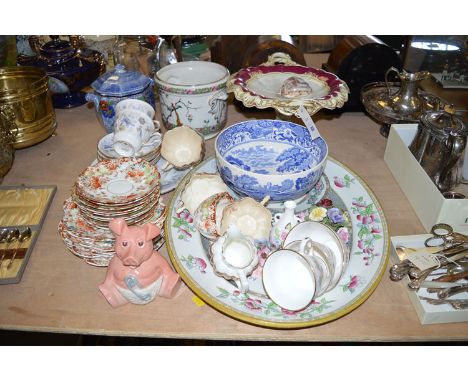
x=392, y=69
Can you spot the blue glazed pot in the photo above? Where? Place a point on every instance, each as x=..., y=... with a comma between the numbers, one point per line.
x=69, y=70
x=116, y=85
x=280, y=159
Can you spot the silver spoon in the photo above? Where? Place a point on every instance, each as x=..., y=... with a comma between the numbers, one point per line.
x=459, y=304
x=23, y=236
x=3, y=235
x=11, y=236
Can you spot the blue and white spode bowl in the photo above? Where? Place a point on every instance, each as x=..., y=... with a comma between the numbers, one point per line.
x=277, y=158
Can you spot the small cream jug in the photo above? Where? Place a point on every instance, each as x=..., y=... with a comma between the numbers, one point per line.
x=234, y=257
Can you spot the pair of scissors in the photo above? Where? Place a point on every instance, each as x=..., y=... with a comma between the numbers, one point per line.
x=443, y=235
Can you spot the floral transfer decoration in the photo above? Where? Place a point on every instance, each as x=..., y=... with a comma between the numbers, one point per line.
x=318, y=190
x=346, y=181
x=369, y=229
x=193, y=262
x=183, y=221
x=262, y=252
x=190, y=90
x=352, y=284
x=269, y=308
x=107, y=109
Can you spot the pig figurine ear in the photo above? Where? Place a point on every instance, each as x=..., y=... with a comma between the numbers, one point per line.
x=118, y=226
x=151, y=231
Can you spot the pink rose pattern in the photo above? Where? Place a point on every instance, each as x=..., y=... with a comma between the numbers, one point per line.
x=352, y=284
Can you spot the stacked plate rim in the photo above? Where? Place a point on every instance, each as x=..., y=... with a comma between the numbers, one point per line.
x=127, y=188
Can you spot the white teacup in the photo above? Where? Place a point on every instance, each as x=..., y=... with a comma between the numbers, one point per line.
x=322, y=234
x=135, y=104
x=323, y=259
x=128, y=144
x=132, y=130
x=289, y=279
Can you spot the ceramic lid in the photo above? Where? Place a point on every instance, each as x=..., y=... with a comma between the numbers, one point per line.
x=120, y=82
x=443, y=123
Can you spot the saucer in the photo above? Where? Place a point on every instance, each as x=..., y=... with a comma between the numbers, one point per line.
x=170, y=178
x=105, y=146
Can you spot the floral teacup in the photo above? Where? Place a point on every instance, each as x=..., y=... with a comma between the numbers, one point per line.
x=133, y=129
x=207, y=217
x=135, y=104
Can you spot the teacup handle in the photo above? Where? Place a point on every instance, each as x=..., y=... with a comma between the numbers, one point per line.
x=307, y=242
x=152, y=139
x=244, y=283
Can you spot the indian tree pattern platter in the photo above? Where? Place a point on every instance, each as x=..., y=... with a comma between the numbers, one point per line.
x=260, y=86
x=364, y=230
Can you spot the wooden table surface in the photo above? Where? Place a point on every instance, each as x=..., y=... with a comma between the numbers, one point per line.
x=59, y=292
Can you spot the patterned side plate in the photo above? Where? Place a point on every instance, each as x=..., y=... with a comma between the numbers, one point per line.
x=369, y=256
x=117, y=181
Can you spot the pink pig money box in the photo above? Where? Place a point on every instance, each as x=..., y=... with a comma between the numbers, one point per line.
x=137, y=273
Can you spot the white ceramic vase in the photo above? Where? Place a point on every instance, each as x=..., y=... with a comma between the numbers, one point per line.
x=283, y=223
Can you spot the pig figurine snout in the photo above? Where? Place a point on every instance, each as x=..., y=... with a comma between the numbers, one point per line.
x=133, y=245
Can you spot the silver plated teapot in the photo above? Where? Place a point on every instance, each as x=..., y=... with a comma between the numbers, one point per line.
x=439, y=145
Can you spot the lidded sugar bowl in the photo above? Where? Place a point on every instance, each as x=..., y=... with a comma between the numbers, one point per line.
x=116, y=85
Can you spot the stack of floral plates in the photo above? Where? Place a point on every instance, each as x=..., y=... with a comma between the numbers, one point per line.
x=150, y=152
x=125, y=188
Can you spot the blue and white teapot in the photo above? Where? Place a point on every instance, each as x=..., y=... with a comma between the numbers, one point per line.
x=116, y=85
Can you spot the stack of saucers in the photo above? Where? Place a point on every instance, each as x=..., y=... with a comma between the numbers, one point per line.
x=125, y=188
x=150, y=152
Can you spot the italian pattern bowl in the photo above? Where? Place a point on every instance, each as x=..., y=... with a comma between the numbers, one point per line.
x=274, y=158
